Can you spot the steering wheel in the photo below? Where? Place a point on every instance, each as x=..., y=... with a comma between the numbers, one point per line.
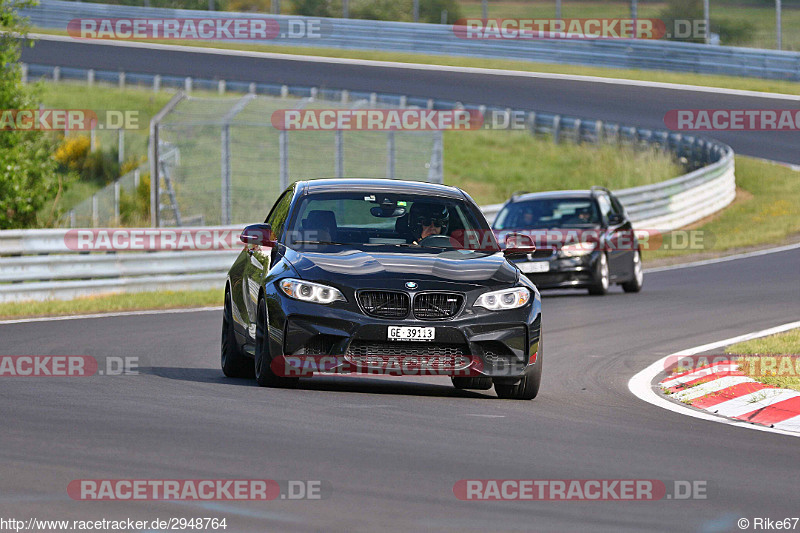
x=438, y=241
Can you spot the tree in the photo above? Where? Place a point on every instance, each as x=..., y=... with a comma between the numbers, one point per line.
x=28, y=176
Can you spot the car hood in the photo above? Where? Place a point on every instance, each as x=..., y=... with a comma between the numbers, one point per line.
x=453, y=266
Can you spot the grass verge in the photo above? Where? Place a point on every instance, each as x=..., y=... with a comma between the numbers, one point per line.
x=728, y=82
x=113, y=302
x=773, y=364
x=764, y=213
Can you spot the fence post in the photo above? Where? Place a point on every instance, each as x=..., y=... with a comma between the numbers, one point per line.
x=403, y=101
x=373, y=99
x=436, y=165
x=90, y=77
x=252, y=88
x=116, y=201
x=578, y=131
x=430, y=103
x=121, y=80
x=225, y=157
x=556, y=128
x=345, y=96
x=187, y=84
x=314, y=93
x=532, y=122
x=284, y=91
x=339, y=137
x=136, y=178
x=72, y=218
x=23, y=69
x=156, y=83
x=154, y=154
x=390, y=155
x=598, y=131
x=92, y=139
x=56, y=74
x=283, y=146
x=221, y=86
x=121, y=146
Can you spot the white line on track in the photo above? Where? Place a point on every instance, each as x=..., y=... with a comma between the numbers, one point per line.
x=640, y=385
x=418, y=66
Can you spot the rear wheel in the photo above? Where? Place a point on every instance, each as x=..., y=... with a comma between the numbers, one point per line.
x=235, y=364
x=601, y=277
x=265, y=377
x=528, y=386
x=479, y=383
x=635, y=284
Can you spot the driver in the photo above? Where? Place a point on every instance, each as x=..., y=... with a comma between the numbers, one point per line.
x=428, y=219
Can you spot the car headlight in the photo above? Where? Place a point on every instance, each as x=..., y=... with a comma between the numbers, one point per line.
x=577, y=249
x=505, y=299
x=308, y=291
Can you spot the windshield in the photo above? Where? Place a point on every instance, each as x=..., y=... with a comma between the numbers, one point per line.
x=381, y=219
x=549, y=213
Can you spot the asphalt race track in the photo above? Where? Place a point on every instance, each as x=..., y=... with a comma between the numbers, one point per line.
x=628, y=104
x=393, y=448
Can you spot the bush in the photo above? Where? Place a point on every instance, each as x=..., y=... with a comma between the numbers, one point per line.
x=730, y=31
x=100, y=166
x=134, y=209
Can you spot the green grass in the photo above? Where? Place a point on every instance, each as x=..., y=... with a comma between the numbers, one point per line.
x=730, y=82
x=764, y=212
x=100, y=99
x=491, y=165
x=771, y=366
x=113, y=302
x=761, y=17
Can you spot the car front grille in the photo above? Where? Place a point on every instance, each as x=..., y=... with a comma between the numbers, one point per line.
x=384, y=304
x=408, y=355
x=403, y=348
x=542, y=253
x=437, y=305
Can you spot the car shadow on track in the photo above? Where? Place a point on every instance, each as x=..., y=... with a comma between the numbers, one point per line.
x=346, y=384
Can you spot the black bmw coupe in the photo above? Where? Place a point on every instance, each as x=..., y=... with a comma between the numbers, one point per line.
x=370, y=276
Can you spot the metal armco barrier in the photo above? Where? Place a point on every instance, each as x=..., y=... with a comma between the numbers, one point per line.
x=439, y=39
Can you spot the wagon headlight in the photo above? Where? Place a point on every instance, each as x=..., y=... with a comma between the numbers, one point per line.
x=307, y=291
x=577, y=249
x=505, y=299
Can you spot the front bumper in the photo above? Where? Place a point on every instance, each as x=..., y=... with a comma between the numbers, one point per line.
x=561, y=272
x=476, y=342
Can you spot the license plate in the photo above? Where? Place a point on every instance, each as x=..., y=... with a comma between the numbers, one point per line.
x=535, y=267
x=410, y=333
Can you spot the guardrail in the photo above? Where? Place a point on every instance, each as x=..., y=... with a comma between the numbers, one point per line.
x=439, y=39
x=39, y=265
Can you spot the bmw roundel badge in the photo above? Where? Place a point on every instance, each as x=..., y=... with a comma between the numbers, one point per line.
x=411, y=285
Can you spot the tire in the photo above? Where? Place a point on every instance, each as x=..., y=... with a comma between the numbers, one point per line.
x=601, y=276
x=478, y=383
x=235, y=364
x=265, y=377
x=635, y=285
x=528, y=386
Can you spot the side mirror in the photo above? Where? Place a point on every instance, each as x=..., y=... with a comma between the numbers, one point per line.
x=518, y=244
x=258, y=234
x=614, y=219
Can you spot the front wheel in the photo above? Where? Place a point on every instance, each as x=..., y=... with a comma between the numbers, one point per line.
x=265, y=377
x=528, y=386
x=601, y=277
x=635, y=284
x=235, y=364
